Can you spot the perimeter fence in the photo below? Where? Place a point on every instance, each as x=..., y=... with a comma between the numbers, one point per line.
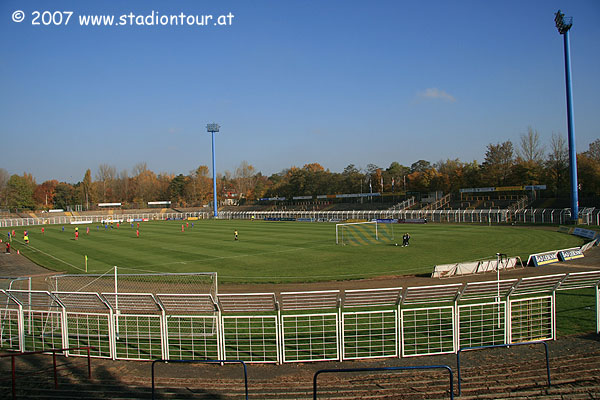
x=100, y=218
x=587, y=216
x=289, y=327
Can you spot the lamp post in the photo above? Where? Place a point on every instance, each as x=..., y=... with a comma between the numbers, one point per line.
x=213, y=128
x=563, y=24
x=499, y=257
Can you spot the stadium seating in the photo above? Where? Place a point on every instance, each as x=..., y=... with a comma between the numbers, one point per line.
x=516, y=373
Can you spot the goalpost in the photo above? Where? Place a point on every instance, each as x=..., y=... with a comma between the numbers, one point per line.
x=363, y=232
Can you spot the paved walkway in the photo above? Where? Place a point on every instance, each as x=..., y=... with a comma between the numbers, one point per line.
x=13, y=265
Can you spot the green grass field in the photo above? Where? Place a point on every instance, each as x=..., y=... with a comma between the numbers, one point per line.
x=275, y=251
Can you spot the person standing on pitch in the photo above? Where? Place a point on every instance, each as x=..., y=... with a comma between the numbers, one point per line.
x=405, y=239
x=235, y=235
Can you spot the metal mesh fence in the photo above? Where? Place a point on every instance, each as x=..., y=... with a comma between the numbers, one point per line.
x=309, y=326
x=482, y=324
x=15, y=283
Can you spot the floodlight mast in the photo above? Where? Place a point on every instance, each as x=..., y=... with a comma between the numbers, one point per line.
x=213, y=128
x=564, y=24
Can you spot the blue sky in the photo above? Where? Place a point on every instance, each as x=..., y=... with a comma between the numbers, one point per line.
x=336, y=82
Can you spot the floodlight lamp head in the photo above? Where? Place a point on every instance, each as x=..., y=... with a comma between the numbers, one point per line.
x=563, y=24
x=212, y=127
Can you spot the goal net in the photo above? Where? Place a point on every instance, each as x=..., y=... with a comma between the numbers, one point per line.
x=363, y=233
x=160, y=283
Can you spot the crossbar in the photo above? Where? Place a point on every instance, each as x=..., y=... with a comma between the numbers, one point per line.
x=203, y=362
x=383, y=369
x=501, y=345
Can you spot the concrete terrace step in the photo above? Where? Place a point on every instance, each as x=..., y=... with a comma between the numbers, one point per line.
x=580, y=393
x=565, y=389
x=486, y=375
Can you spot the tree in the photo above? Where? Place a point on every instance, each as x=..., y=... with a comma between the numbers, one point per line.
x=531, y=150
x=557, y=165
x=498, y=163
x=526, y=173
x=4, y=176
x=86, y=188
x=176, y=188
x=20, y=191
x=472, y=174
x=317, y=180
x=594, y=150
x=394, y=175
x=161, y=190
x=451, y=176
x=314, y=167
x=529, y=165
x=64, y=195
x=296, y=183
x=420, y=166
x=106, y=175
x=588, y=172
x=145, y=184
x=122, y=184
x=262, y=185
x=275, y=182
x=44, y=193
x=243, y=178
x=350, y=169
x=198, y=186
x=371, y=168
x=422, y=181
x=352, y=179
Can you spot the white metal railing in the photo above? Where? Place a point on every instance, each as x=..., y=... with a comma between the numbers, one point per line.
x=483, y=216
x=588, y=216
x=58, y=220
x=291, y=326
x=438, y=203
x=403, y=205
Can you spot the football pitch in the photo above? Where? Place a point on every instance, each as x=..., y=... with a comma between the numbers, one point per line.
x=276, y=252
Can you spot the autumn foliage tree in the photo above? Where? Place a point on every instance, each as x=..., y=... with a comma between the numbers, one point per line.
x=44, y=194
x=503, y=166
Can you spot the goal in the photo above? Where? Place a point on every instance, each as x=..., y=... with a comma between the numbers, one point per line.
x=361, y=233
x=111, y=282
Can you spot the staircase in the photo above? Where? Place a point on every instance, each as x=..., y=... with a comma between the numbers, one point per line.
x=440, y=203
x=404, y=205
